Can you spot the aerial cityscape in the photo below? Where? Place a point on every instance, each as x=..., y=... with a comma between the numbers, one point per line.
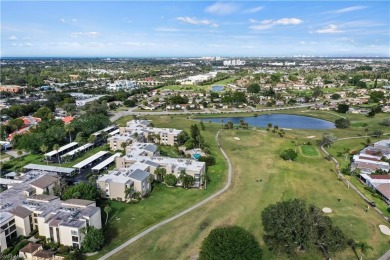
x=195, y=130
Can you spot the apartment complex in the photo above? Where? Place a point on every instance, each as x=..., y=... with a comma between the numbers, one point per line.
x=166, y=136
x=137, y=167
x=28, y=206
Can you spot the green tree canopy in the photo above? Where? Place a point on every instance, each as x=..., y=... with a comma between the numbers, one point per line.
x=83, y=190
x=230, y=243
x=253, y=88
x=342, y=123
x=289, y=155
x=93, y=240
x=290, y=227
x=342, y=108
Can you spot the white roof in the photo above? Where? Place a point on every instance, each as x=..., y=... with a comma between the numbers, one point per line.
x=63, y=148
x=106, y=162
x=79, y=149
x=113, y=132
x=90, y=159
x=48, y=168
x=109, y=128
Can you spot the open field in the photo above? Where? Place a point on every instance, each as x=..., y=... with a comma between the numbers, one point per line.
x=127, y=220
x=311, y=178
x=309, y=150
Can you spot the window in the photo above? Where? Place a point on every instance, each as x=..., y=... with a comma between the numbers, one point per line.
x=75, y=239
x=74, y=233
x=75, y=245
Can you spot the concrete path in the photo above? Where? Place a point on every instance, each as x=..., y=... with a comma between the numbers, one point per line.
x=385, y=256
x=142, y=234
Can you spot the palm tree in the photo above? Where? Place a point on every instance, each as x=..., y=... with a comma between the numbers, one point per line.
x=19, y=153
x=276, y=128
x=92, y=139
x=363, y=247
x=56, y=147
x=107, y=209
x=269, y=126
x=69, y=129
x=129, y=191
x=346, y=152
x=44, y=149
x=282, y=133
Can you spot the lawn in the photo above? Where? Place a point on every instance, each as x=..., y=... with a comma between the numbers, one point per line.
x=309, y=150
x=17, y=164
x=171, y=151
x=255, y=157
x=126, y=220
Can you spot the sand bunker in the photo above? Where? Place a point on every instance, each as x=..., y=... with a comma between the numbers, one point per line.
x=327, y=210
x=385, y=229
x=311, y=136
x=237, y=138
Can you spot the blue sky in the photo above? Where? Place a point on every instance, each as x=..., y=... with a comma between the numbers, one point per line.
x=194, y=28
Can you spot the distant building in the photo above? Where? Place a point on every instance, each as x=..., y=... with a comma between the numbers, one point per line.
x=10, y=88
x=122, y=85
x=233, y=63
x=82, y=99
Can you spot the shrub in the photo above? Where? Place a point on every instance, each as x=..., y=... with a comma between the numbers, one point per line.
x=63, y=249
x=170, y=179
x=289, y=155
x=209, y=160
x=342, y=123
x=376, y=195
x=8, y=250
x=19, y=246
x=370, y=189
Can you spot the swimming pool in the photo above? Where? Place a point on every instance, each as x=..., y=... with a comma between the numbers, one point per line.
x=196, y=156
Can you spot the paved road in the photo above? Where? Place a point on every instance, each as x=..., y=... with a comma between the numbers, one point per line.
x=347, y=182
x=142, y=234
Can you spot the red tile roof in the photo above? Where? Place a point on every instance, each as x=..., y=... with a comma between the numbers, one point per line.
x=67, y=119
x=30, y=248
x=380, y=177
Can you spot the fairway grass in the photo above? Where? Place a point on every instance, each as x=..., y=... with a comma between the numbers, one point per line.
x=309, y=150
x=256, y=157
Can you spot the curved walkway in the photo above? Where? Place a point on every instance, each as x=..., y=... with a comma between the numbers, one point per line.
x=147, y=231
x=346, y=181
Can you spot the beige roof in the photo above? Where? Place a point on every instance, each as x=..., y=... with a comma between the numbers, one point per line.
x=44, y=254
x=21, y=212
x=79, y=202
x=44, y=181
x=30, y=248
x=384, y=189
x=42, y=197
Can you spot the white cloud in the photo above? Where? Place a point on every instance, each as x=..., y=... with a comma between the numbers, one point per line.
x=267, y=24
x=74, y=20
x=220, y=8
x=27, y=44
x=253, y=10
x=67, y=44
x=331, y=28
x=62, y=20
x=88, y=34
x=137, y=44
x=166, y=29
x=302, y=42
x=194, y=20
x=348, y=9
x=12, y=38
x=215, y=45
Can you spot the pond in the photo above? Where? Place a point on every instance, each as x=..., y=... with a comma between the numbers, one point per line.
x=281, y=120
x=217, y=88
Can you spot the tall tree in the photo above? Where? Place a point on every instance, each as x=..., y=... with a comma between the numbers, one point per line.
x=93, y=240
x=69, y=128
x=230, y=243
x=44, y=149
x=56, y=147
x=107, y=209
